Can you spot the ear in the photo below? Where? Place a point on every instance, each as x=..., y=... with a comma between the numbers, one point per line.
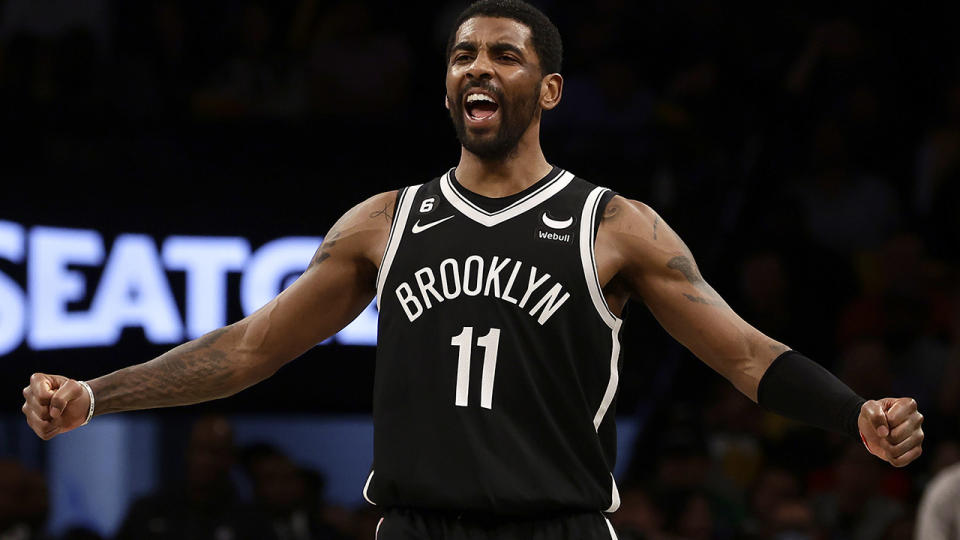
x=551, y=89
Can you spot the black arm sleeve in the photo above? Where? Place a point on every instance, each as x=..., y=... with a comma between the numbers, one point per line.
x=800, y=389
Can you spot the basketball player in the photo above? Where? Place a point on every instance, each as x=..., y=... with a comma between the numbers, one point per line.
x=500, y=286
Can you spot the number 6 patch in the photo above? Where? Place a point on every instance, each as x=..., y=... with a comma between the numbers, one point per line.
x=428, y=205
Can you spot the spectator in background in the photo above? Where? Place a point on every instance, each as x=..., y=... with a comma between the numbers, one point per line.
x=774, y=485
x=939, y=515
x=865, y=366
x=638, y=518
x=792, y=519
x=23, y=502
x=207, y=506
x=697, y=520
x=854, y=508
x=289, y=498
x=846, y=209
x=732, y=423
x=907, y=303
x=695, y=498
x=764, y=289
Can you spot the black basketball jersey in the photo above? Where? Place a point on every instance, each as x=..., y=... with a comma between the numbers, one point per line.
x=497, y=356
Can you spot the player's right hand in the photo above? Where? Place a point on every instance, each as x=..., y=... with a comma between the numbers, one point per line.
x=54, y=404
x=891, y=429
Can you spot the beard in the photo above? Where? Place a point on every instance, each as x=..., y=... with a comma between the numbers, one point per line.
x=516, y=115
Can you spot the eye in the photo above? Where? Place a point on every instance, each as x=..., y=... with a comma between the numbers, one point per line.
x=461, y=58
x=508, y=58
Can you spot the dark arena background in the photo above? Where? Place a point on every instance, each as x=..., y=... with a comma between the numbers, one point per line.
x=168, y=166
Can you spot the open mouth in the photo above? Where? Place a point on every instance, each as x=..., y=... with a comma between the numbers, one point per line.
x=480, y=106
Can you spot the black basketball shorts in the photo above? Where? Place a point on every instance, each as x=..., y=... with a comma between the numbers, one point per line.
x=409, y=524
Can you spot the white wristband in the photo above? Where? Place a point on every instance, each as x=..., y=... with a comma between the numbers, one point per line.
x=92, y=401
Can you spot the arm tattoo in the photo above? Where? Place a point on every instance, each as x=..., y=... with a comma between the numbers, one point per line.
x=193, y=372
x=702, y=300
x=685, y=266
x=385, y=212
x=688, y=268
x=322, y=253
x=655, y=223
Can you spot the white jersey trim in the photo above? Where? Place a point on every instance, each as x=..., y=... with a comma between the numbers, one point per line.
x=366, y=486
x=588, y=259
x=613, y=533
x=588, y=220
x=614, y=378
x=490, y=219
x=396, y=233
x=614, y=495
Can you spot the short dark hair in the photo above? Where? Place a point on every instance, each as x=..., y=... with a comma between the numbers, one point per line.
x=543, y=33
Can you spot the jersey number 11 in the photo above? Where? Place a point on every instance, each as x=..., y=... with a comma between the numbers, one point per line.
x=464, y=343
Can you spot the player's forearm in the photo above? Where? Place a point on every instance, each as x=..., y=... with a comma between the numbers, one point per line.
x=213, y=366
x=798, y=388
x=745, y=366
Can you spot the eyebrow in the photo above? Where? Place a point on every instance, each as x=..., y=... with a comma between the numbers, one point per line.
x=502, y=46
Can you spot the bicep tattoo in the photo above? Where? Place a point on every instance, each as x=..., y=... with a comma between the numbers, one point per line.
x=688, y=268
x=323, y=252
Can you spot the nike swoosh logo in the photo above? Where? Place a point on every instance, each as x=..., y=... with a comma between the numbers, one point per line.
x=417, y=228
x=554, y=224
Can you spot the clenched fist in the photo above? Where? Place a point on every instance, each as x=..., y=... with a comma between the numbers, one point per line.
x=891, y=429
x=54, y=404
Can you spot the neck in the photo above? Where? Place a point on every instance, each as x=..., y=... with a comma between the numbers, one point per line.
x=501, y=178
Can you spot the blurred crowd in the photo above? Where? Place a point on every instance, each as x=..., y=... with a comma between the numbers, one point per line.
x=809, y=155
x=733, y=473
x=225, y=492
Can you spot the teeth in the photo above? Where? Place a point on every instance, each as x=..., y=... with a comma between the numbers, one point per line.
x=479, y=97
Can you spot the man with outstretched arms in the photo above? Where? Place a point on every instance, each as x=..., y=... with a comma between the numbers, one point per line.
x=500, y=286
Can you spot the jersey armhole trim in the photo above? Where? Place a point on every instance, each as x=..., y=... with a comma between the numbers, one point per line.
x=588, y=238
x=366, y=487
x=613, y=532
x=614, y=496
x=588, y=260
x=404, y=202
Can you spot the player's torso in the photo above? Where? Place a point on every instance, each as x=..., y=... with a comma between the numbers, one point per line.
x=497, y=356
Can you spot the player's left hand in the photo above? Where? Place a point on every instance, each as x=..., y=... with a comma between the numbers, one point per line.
x=891, y=430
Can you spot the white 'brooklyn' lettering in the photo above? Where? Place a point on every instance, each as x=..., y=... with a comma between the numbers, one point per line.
x=456, y=278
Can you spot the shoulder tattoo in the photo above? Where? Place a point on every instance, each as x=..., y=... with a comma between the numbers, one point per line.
x=386, y=212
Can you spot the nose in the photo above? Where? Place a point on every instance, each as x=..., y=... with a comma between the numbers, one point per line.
x=480, y=68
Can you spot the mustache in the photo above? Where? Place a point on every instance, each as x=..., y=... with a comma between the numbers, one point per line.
x=482, y=85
